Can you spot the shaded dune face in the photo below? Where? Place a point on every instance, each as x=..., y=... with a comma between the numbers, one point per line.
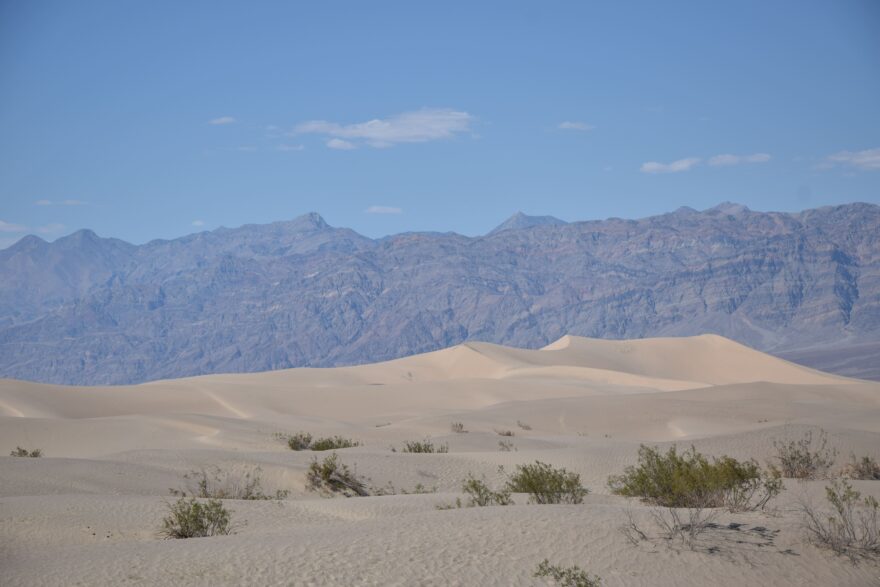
x=88, y=512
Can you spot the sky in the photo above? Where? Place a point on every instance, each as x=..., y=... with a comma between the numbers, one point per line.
x=155, y=119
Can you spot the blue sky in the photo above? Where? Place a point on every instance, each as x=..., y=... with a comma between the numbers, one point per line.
x=155, y=119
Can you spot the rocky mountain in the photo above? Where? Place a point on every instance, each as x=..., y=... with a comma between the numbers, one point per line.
x=91, y=310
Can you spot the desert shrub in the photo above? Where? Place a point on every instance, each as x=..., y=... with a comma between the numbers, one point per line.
x=333, y=443
x=851, y=528
x=807, y=458
x=331, y=476
x=523, y=425
x=504, y=432
x=389, y=489
x=190, y=518
x=22, y=452
x=220, y=484
x=305, y=441
x=865, y=468
x=505, y=446
x=546, y=484
x=480, y=495
x=690, y=480
x=458, y=427
x=567, y=576
x=424, y=446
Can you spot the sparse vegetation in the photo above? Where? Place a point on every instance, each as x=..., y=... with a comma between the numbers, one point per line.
x=690, y=480
x=504, y=432
x=424, y=446
x=305, y=441
x=865, y=468
x=523, y=425
x=506, y=446
x=480, y=495
x=190, y=518
x=567, y=576
x=458, y=427
x=851, y=528
x=219, y=484
x=546, y=484
x=23, y=452
x=330, y=476
x=807, y=458
x=389, y=489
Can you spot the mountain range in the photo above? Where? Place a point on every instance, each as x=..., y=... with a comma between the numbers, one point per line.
x=90, y=310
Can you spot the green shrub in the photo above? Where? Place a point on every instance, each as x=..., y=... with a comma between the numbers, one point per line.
x=865, y=468
x=21, y=452
x=480, y=495
x=567, y=576
x=424, y=446
x=193, y=519
x=545, y=484
x=853, y=526
x=331, y=476
x=305, y=441
x=807, y=458
x=690, y=480
x=219, y=484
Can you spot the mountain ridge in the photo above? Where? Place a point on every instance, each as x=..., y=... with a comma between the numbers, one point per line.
x=87, y=309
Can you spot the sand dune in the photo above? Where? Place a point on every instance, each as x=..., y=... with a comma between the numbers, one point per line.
x=87, y=513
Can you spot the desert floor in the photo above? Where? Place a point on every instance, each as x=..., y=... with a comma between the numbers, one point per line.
x=89, y=511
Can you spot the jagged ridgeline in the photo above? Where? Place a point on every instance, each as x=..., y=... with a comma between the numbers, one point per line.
x=91, y=310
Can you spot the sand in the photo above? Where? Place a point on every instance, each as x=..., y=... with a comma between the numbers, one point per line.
x=89, y=511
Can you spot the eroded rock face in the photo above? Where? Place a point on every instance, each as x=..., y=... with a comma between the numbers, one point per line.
x=87, y=310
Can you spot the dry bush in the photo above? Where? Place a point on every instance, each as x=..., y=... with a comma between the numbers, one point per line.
x=480, y=495
x=458, y=427
x=506, y=446
x=504, y=432
x=424, y=446
x=546, y=484
x=220, y=484
x=865, y=468
x=852, y=526
x=330, y=476
x=305, y=441
x=690, y=480
x=567, y=576
x=523, y=425
x=189, y=518
x=807, y=458
x=22, y=452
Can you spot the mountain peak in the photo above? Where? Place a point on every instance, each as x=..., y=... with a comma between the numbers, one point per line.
x=728, y=208
x=521, y=221
x=311, y=220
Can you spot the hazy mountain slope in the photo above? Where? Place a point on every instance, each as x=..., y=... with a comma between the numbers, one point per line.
x=304, y=293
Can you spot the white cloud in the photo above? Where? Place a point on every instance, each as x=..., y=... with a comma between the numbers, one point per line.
x=43, y=203
x=674, y=167
x=341, y=145
x=221, y=120
x=581, y=126
x=198, y=222
x=866, y=160
x=727, y=159
x=291, y=147
x=383, y=210
x=419, y=126
x=9, y=227
x=50, y=228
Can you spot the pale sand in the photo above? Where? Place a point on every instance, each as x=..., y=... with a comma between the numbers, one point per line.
x=88, y=513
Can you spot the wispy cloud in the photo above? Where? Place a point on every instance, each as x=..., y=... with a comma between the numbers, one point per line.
x=727, y=160
x=867, y=160
x=221, y=120
x=198, y=222
x=10, y=227
x=419, y=126
x=291, y=148
x=383, y=210
x=674, y=167
x=341, y=145
x=69, y=202
x=579, y=126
